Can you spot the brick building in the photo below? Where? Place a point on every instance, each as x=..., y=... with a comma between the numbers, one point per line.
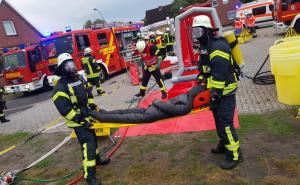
x=158, y=14
x=14, y=28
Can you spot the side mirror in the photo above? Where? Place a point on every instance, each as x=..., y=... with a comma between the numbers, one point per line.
x=285, y=7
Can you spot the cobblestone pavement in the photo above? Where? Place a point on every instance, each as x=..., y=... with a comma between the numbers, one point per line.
x=251, y=98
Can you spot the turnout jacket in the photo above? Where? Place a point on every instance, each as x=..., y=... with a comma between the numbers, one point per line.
x=72, y=99
x=220, y=67
x=91, y=68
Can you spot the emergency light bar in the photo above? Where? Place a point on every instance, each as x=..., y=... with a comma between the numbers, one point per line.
x=47, y=34
x=68, y=29
x=5, y=50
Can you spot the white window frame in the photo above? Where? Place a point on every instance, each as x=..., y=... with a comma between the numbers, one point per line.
x=214, y=3
x=225, y=1
x=231, y=12
x=13, y=26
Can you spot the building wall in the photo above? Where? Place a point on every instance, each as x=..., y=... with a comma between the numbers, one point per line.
x=26, y=33
x=158, y=14
x=223, y=9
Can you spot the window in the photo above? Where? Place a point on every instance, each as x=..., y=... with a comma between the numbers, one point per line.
x=82, y=42
x=225, y=1
x=214, y=3
x=259, y=10
x=271, y=7
x=14, y=61
x=57, y=46
x=102, y=39
x=9, y=28
x=231, y=15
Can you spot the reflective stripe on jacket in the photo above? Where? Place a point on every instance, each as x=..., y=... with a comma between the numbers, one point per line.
x=91, y=68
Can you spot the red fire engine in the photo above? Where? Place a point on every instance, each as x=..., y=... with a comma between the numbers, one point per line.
x=287, y=13
x=25, y=70
x=107, y=44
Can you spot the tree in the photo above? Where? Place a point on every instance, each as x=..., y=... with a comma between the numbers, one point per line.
x=178, y=4
x=88, y=24
x=99, y=21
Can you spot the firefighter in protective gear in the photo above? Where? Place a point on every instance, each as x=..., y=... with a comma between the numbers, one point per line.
x=160, y=44
x=238, y=26
x=2, y=106
x=152, y=38
x=216, y=72
x=250, y=23
x=150, y=56
x=74, y=101
x=92, y=70
x=168, y=40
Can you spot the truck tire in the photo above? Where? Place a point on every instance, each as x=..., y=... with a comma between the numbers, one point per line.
x=297, y=26
x=103, y=75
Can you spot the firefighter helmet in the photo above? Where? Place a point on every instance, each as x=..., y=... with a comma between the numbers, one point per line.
x=88, y=50
x=140, y=45
x=202, y=20
x=63, y=57
x=167, y=29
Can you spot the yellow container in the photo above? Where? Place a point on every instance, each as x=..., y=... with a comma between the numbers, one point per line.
x=285, y=65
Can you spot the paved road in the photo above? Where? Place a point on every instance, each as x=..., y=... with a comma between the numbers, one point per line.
x=25, y=101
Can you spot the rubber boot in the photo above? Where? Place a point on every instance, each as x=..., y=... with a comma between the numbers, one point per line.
x=3, y=120
x=220, y=149
x=229, y=163
x=102, y=162
x=93, y=182
x=164, y=95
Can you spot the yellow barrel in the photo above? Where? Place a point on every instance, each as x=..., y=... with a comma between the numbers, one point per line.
x=236, y=51
x=285, y=65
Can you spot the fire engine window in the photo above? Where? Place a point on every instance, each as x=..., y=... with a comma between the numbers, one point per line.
x=33, y=57
x=271, y=7
x=14, y=60
x=259, y=10
x=102, y=39
x=82, y=42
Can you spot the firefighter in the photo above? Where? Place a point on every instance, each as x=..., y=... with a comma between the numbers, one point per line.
x=92, y=70
x=216, y=70
x=152, y=37
x=168, y=40
x=238, y=26
x=250, y=23
x=150, y=56
x=160, y=44
x=2, y=106
x=74, y=101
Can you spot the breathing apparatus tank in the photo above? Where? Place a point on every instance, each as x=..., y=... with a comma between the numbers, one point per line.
x=235, y=48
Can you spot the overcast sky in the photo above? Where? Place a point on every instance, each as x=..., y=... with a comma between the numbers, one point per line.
x=54, y=15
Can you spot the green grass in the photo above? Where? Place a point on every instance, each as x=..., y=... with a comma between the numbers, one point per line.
x=11, y=139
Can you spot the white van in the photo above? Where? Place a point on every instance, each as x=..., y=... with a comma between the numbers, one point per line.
x=262, y=10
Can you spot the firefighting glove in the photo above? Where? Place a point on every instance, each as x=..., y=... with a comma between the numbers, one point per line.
x=215, y=97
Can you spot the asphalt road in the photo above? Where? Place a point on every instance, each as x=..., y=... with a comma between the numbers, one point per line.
x=21, y=102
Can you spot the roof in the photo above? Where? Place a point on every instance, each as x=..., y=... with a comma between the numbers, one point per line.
x=20, y=16
x=158, y=14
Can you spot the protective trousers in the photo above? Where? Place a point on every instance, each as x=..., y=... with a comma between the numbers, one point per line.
x=95, y=82
x=158, y=78
x=224, y=114
x=88, y=141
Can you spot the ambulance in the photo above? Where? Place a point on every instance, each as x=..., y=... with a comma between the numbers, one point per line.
x=261, y=10
x=106, y=43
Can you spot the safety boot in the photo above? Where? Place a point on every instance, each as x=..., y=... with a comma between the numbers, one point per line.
x=93, y=182
x=3, y=120
x=220, y=149
x=230, y=163
x=102, y=162
x=140, y=94
x=100, y=92
x=164, y=95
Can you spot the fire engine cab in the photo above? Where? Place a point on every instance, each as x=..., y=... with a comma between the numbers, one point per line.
x=287, y=13
x=106, y=43
x=25, y=69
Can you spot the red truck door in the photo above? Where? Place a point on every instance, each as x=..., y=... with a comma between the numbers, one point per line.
x=82, y=41
x=109, y=51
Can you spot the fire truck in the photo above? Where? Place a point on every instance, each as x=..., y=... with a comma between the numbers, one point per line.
x=25, y=69
x=106, y=43
x=287, y=13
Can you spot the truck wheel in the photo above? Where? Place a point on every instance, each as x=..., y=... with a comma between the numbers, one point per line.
x=103, y=75
x=297, y=26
